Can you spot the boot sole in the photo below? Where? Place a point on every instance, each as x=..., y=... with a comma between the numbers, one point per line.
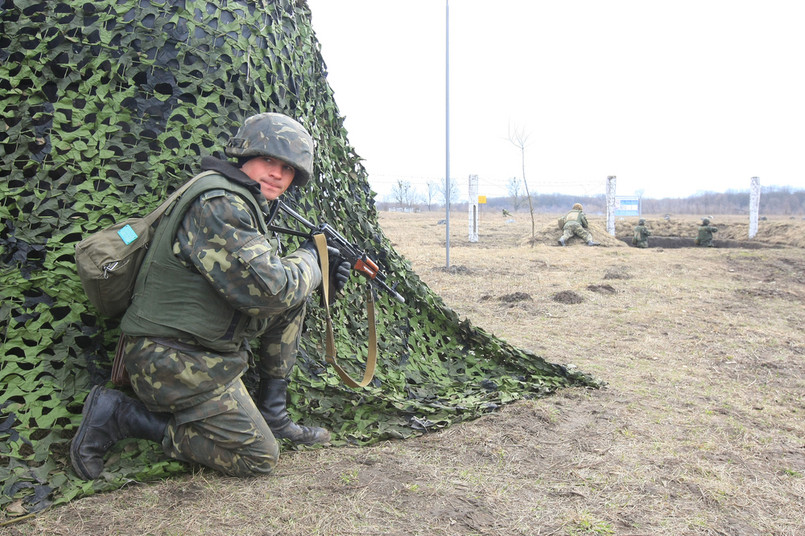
x=280, y=436
x=78, y=439
x=312, y=442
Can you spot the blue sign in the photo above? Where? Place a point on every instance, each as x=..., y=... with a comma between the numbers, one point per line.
x=627, y=206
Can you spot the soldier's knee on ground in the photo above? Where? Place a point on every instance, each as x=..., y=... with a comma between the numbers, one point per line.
x=254, y=464
x=257, y=458
x=226, y=433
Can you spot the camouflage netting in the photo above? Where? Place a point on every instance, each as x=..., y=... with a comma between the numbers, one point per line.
x=106, y=107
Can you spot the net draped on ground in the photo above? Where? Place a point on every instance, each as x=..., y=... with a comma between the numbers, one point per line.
x=107, y=106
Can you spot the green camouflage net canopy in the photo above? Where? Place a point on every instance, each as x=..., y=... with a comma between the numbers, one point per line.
x=107, y=106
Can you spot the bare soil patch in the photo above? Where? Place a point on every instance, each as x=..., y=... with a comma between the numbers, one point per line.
x=699, y=431
x=568, y=297
x=515, y=297
x=603, y=289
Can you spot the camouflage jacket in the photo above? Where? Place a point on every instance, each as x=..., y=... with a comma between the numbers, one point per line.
x=228, y=278
x=641, y=234
x=576, y=217
x=705, y=236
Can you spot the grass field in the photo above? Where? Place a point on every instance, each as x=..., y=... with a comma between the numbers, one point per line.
x=699, y=431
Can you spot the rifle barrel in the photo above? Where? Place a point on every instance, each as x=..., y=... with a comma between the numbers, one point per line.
x=291, y=212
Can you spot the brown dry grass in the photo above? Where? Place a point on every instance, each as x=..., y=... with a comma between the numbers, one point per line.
x=699, y=432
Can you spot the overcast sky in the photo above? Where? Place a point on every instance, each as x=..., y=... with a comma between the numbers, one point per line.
x=671, y=97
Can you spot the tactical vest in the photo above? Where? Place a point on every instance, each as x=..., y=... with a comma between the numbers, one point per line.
x=573, y=215
x=173, y=301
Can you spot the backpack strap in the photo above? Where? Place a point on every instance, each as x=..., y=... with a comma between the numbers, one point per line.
x=157, y=212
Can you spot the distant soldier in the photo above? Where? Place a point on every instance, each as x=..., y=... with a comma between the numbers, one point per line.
x=641, y=234
x=575, y=223
x=705, y=237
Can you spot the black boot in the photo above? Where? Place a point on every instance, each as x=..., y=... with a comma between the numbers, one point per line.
x=271, y=401
x=108, y=417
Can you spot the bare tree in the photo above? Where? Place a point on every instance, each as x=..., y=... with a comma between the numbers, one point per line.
x=513, y=187
x=403, y=194
x=519, y=139
x=433, y=189
x=640, y=193
x=454, y=195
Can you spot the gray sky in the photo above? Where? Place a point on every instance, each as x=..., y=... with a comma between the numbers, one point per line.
x=671, y=97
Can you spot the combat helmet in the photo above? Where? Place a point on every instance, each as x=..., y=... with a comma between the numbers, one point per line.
x=277, y=135
x=705, y=221
x=641, y=221
x=577, y=206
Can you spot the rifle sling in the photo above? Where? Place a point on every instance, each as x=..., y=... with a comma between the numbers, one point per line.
x=330, y=353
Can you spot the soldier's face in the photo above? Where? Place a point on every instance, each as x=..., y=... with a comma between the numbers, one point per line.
x=272, y=174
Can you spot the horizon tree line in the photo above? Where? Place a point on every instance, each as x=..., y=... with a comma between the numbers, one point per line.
x=774, y=200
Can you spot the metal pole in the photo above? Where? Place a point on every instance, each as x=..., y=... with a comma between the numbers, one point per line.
x=447, y=129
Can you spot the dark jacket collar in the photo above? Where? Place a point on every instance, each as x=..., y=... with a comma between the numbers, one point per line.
x=210, y=163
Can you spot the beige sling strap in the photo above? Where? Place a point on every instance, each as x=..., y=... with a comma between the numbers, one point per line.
x=329, y=356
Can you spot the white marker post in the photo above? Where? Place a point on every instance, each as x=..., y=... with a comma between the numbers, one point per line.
x=473, y=209
x=611, y=205
x=754, y=205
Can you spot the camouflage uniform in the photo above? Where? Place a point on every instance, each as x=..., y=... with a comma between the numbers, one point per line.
x=212, y=282
x=641, y=234
x=705, y=236
x=214, y=420
x=575, y=224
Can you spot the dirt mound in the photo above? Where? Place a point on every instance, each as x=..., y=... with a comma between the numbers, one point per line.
x=733, y=231
x=454, y=269
x=567, y=296
x=680, y=232
x=672, y=242
x=550, y=234
x=509, y=298
x=516, y=297
x=602, y=289
x=617, y=272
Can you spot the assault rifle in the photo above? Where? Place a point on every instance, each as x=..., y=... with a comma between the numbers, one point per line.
x=357, y=258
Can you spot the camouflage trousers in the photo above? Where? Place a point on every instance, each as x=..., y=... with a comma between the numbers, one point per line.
x=214, y=421
x=574, y=228
x=279, y=343
x=227, y=433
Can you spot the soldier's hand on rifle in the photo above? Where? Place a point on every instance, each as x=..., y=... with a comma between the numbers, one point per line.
x=310, y=245
x=356, y=258
x=339, y=269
